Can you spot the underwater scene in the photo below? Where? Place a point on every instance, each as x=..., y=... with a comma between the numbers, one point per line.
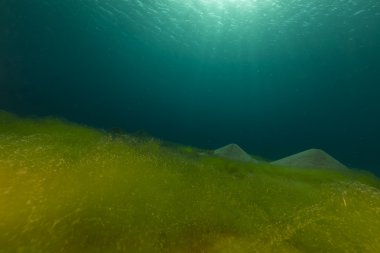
x=186, y=126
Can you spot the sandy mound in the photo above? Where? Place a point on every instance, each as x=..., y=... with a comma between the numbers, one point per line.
x=234, y=152
x=312, y=158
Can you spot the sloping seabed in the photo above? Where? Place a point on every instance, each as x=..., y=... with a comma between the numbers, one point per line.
x=68, y=188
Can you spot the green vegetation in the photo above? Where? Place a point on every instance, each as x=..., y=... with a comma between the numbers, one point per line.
x=68, y=188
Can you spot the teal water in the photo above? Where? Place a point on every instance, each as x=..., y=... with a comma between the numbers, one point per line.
x=276, y=77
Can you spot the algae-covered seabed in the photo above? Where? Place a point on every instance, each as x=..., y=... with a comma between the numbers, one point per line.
x=68, y=188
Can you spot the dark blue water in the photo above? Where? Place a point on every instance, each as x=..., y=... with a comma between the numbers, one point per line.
x=276, y=77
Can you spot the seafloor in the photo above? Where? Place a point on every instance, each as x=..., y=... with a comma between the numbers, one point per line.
x=70, y=188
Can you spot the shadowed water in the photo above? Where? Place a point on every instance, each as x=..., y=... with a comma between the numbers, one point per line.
x=276, y=77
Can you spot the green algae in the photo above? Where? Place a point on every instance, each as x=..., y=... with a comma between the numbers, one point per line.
x=69, y=188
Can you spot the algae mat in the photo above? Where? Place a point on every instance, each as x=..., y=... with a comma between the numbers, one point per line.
x=69, y=188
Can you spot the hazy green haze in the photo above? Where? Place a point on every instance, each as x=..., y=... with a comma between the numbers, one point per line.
x=154, y=86
x=276, y=77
